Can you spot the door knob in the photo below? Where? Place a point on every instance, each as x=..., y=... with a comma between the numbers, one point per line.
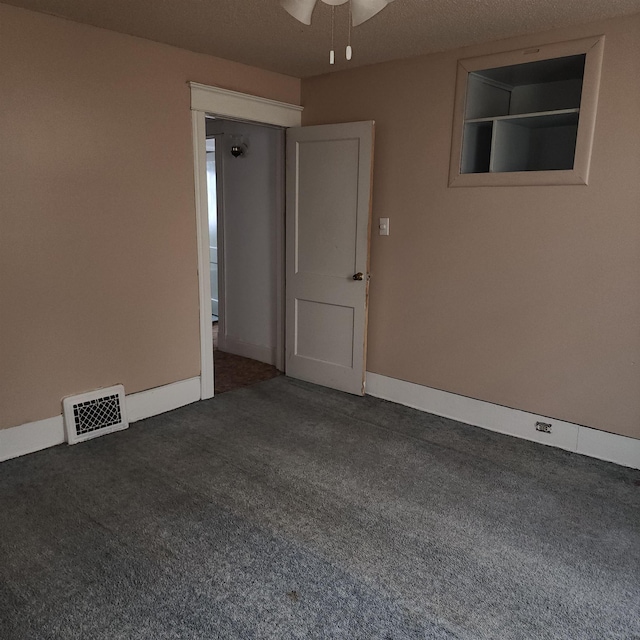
x=358, y=276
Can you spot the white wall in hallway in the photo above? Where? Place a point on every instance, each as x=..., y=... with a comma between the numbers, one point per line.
x=212, y=201
x=252, y=195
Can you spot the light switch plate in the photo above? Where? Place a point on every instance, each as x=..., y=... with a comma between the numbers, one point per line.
x=383, y=226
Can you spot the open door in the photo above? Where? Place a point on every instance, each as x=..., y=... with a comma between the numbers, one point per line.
x=328, y=221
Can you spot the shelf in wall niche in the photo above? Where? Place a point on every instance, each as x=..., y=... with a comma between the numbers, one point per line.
x=534, y=144
x=536, y=118
x=526, y=117
x=528, y=132
x=525, y=142
x=478, y=137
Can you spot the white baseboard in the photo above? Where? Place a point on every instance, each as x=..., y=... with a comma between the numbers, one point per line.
x=30, y=437
x=609, y=446
x=246, y=350
x=521, y=424
x=162, y=399
x=34, y=436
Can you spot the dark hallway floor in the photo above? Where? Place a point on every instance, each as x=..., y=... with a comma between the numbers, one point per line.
x=234, y=372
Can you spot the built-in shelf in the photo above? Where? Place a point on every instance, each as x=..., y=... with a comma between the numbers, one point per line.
x=522, y=112
x=533, y=109
x=544, y=141
x=541, y=115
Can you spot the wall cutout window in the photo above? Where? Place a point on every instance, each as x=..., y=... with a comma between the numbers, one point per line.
x=526, y=117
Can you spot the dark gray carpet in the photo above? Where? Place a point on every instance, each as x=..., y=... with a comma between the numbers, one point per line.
x=286, y=510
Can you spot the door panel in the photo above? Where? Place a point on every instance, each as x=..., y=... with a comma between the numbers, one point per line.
x=329, y=238
x=328, y=225
x=325, y=332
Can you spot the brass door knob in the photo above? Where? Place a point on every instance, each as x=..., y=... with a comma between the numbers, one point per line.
x=358, y=276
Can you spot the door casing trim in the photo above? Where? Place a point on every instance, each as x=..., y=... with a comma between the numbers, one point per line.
x=231, y=104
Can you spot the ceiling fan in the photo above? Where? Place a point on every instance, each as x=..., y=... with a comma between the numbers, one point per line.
x=360, y=11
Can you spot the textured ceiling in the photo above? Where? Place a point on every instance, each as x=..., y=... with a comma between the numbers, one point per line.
x=261, y=33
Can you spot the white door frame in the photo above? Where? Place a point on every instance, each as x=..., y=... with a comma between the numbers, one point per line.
x=231, y=104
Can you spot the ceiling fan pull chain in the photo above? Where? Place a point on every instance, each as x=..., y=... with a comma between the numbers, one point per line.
x=332, y=54
x=349, y=51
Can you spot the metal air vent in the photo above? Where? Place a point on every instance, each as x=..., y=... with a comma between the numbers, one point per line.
x=93, y=414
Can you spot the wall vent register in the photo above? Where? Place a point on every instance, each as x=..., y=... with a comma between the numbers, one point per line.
x=94, y=414
x=526, y=117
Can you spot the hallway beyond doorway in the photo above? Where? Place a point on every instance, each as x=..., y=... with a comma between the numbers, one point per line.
x=234, y=372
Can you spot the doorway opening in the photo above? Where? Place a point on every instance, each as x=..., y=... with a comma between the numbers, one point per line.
x=322, y=354
x=245, y=197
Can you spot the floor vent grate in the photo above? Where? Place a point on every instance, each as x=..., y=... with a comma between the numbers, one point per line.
x=93, y=414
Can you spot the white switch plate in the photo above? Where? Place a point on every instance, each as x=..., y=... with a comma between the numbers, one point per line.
x=383, y=226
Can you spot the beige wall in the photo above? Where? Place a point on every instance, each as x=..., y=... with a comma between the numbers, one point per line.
x=523, y=296
x=98, y=267
x=527, y=297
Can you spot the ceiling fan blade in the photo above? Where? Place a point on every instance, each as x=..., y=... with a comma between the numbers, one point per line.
x=362, y=10
x=299, y=9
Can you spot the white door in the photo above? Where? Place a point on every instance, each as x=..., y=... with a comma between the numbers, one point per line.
x=328, y=220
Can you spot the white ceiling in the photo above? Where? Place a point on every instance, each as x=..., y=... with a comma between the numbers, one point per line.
x=261, y=33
